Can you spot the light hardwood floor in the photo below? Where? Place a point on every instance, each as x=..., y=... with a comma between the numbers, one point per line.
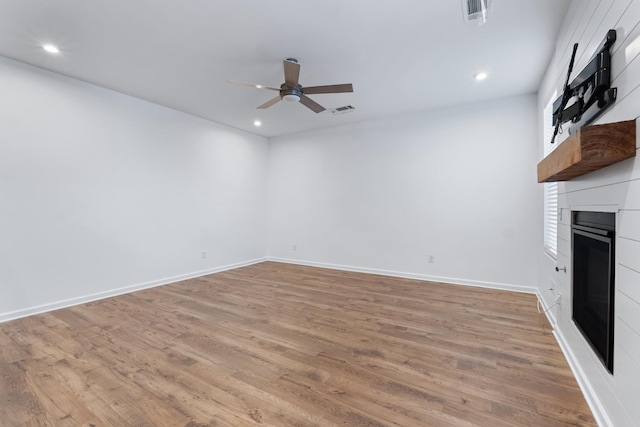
x=281, y=345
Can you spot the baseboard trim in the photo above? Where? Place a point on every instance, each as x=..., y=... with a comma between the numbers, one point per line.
x=597, y=409
x=12, y=315
x=599, y=413
x=405, y=275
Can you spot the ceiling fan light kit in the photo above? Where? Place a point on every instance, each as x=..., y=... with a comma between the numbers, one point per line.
x=291, y=98
x=292, y=91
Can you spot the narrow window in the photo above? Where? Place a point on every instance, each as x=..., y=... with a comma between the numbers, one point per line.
x=550, y=188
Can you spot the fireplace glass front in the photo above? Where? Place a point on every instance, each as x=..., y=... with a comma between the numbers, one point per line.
x=593, y=235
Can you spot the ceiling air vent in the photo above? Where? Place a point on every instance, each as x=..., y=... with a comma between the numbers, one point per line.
x=342, y=110
x=476, y=10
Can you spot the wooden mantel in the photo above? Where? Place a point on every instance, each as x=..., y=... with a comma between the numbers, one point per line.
x=589, y=149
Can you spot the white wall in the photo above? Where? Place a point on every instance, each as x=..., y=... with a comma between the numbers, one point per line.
x=615, y=189
x=458, y=184
x=102, y=193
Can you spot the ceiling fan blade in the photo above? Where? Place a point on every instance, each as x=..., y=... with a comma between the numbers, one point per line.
x=270, y=103
x=328, y=89
x=311, y=104
x=291, y=73
x=253, y=85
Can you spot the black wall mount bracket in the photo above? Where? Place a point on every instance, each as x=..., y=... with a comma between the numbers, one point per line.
x=590, y=88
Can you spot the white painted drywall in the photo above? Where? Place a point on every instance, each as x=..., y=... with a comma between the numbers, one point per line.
x=614, y=189
x=102, y=193
x=458, y=184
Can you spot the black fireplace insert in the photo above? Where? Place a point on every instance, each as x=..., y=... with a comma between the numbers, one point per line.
x=593, y=236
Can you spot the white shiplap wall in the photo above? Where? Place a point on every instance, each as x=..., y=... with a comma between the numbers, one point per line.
x=615, y=399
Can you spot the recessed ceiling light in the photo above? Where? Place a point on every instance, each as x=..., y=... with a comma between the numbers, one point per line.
x=51, y=48
x=257, y=123
x=481, y=76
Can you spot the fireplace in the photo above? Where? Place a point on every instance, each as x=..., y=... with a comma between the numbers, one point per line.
x=593, y=257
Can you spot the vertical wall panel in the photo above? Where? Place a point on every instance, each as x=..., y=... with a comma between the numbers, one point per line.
x=628, y=281
x=628, y=311
x=629, y=225
x=630, y=344
x=613, y=189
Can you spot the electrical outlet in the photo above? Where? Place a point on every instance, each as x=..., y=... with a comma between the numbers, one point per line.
x=432, y=259
x=203, y=255
x=294, y=247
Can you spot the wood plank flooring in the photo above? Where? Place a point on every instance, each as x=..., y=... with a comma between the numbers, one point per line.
x=282, y=345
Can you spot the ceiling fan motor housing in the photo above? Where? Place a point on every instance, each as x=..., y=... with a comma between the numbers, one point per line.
x=291, y=94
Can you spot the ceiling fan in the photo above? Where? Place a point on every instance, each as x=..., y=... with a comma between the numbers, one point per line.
x=292, y=91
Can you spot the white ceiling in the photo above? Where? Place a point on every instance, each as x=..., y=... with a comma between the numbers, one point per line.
x=402, y=56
